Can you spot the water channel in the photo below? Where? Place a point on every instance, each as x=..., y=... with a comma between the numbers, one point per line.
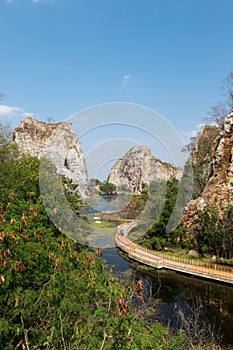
x=177, y=296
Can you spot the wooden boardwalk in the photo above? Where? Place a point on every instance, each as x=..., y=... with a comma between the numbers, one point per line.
x=161, y=260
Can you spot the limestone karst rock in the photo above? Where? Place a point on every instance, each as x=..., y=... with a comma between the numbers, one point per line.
x=218, y=191
x=56, y=142
x=137, y=167
x=201, y=157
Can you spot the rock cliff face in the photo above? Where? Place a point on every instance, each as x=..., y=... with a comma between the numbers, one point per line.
x=56, y=142
x=137, y=167
x=201, y=157
x=202, y=149
x=218, y=191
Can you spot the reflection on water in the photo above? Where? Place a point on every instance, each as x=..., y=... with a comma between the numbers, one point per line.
x=102, y=236
x=105, y=203
x=212, y=302
x=177, y=294
x=116, y=261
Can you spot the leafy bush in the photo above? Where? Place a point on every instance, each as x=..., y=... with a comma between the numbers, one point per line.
x=156, y=237
x=212, y=234
x=107, y=188
x=55, y=294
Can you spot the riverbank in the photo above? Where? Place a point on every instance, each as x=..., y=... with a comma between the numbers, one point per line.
x=162, y=260
x=211, y=302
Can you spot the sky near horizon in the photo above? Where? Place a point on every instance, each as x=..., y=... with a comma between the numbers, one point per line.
x=59, y=57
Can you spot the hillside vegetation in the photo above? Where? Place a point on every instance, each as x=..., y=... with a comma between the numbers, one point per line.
x=55, y=294
x=210, y=233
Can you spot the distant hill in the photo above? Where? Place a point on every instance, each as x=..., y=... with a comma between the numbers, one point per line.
x=137, y=167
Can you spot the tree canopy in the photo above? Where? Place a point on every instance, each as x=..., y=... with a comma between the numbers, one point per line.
x=55, y=294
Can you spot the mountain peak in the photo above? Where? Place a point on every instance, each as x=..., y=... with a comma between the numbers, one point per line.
x=137, y=167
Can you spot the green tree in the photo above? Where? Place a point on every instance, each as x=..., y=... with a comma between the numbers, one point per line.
x=55, y=294
x=157, y=237
x=212, y=234
x=206, y=231
x=107, y=188
x=225, y=228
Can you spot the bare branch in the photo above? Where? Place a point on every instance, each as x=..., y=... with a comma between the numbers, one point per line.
x=25, y=332
x=62, y=333
x=228, y=90
x=192, y=322
x=5, y=133
x=103, y=342
x=218, y=112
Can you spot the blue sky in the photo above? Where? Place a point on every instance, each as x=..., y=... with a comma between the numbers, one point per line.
x=61, y=56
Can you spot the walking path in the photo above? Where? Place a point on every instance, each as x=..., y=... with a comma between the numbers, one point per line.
x=161, y=260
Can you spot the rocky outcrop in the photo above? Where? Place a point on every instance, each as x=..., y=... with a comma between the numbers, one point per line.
x=137, y=167
x=218, y=191
x=56, y=142
x=202, y=149
x=201, y=157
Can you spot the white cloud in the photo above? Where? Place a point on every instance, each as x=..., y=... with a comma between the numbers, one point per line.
x=13, y=115
x=126, y=78
x=5, y=110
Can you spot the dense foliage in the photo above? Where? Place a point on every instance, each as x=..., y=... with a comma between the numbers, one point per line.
x=55, y=294
x=107, y=188
x=156, y=237
x=212, y=234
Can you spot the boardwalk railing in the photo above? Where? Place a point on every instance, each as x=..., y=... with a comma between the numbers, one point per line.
x=162, y=260
x=186, y=260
